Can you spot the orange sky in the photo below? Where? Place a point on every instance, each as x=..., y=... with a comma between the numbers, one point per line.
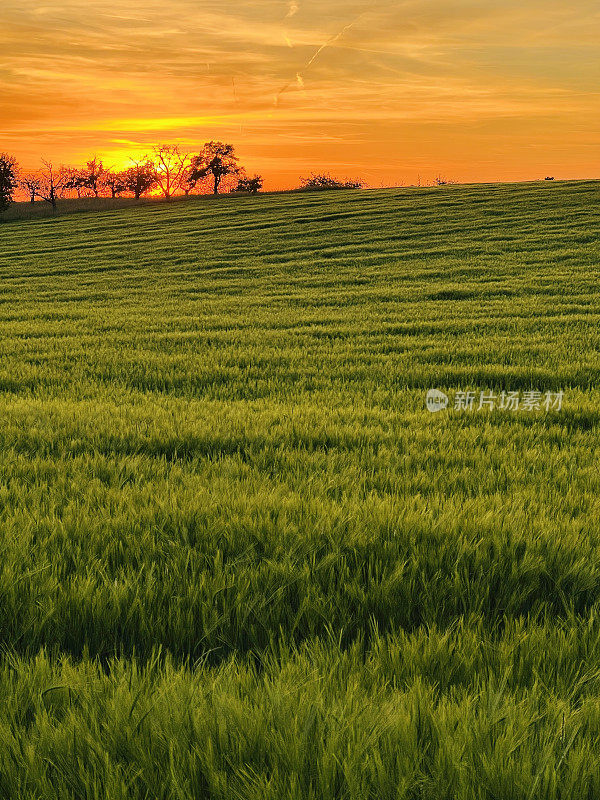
x=387, y=91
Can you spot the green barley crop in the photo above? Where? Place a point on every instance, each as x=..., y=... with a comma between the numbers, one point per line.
x=240, y=560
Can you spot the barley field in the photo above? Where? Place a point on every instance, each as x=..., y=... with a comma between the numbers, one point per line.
x=240, y=559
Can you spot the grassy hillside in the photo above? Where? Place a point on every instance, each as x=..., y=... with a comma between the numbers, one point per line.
x=240, y=559
x=24, y=210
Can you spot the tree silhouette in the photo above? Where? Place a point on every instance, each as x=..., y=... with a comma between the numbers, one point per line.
x=77, y=180
x=93, y=173
x=139, y=178
x=31, y=184
x=252, y=185
x=8, y=180
x=216, y=159
x=187, y=184
x=327, y=181
x=52, y=183
x=169, y=168
x=116, y=183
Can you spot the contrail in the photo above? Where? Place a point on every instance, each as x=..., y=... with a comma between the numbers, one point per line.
x=293, y=9
x=299, y=77
x=333, y=39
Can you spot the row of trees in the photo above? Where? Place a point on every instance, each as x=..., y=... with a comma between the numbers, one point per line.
x=167, y=171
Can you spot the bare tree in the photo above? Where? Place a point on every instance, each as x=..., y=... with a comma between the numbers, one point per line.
x=53, y=183
x=8, y=180
x=170, y=168
x=30, y=183
x=216, y=159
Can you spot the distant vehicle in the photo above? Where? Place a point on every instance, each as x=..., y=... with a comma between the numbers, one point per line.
x=549, y=178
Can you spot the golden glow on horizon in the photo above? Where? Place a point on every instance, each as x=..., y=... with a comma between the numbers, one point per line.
x=387, y=91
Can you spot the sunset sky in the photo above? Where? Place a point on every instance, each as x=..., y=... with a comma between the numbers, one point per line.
x=386, y=91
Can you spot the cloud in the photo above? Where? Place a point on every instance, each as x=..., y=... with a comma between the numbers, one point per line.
x=86, y=68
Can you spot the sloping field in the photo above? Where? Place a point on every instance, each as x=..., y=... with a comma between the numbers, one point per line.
x=240, y=559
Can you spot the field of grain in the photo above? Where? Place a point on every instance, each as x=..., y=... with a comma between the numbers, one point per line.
x=240, y=560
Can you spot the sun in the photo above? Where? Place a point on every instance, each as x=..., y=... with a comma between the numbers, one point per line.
x=124, y=155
